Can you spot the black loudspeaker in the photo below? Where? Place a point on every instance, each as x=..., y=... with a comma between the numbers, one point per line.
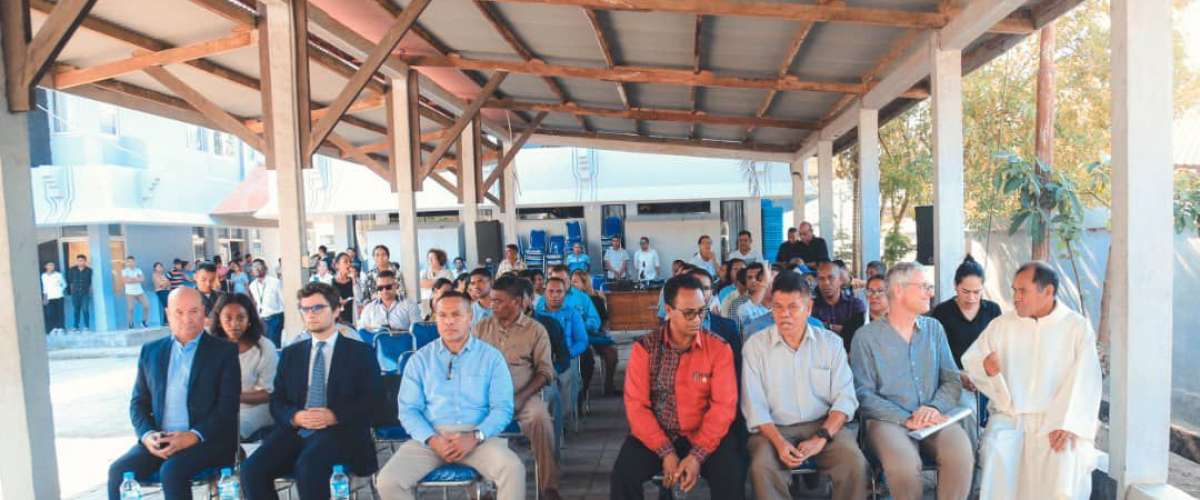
x=925, y=235
x=490, y=240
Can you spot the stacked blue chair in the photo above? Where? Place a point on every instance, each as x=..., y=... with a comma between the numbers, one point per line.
x=574, y=235
x=557, y=251
x=612, y=227
x=535, y=253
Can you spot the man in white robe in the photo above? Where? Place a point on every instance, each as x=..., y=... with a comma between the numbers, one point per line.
x=1039, y=367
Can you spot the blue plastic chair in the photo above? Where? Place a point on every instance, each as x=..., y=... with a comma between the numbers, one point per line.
x=612, y=227
x=454, y=476
x=574, y=233
x=368, y=336
x=425, y=332
x=390, y=347
x=513, y=434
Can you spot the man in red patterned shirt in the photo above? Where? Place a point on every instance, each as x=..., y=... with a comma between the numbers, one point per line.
x=680, y=397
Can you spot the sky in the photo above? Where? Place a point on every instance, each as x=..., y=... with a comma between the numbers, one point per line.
x=1191, y=31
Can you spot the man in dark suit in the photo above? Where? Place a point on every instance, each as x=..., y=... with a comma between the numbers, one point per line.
x=322, y=423
x=185, y=403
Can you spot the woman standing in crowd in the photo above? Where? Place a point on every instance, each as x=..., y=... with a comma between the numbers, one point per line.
x=238, y=280
x=437, y=270
x=162, y=288
x=601, y=343
x=577, y=260
x=235, y=318
x=346, y=283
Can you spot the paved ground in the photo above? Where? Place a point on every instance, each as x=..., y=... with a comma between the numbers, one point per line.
x=90, y=392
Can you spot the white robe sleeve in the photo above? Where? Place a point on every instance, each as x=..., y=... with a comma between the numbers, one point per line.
x=1076, y=404
x=994, y=387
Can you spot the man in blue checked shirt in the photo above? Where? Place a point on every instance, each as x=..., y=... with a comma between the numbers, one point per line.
x=455, y=398
x=553, y=305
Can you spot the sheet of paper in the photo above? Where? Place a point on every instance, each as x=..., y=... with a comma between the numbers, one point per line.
x=951, y=418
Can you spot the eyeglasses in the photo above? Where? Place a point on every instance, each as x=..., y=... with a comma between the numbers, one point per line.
x=313, y=309
x=693, y=314
x=380, y=288
x=925, y=287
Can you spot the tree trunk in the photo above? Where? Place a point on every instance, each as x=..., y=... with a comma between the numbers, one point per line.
x=1045, y=123
x=1104, y=329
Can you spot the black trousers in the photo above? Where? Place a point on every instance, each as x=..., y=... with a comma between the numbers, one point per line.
x=284, y=452
x=724, y=470
x=52, y=313
x=175, y=473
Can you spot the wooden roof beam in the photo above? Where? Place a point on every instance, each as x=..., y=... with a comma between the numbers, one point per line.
x=654, y=115
x=695, y=69
x=461, y=123
x=512, y=151
x=1017, y=24
x=52, y=37
x=241, y=38
x=631, y=74
x=206, y=107
x=362, y=158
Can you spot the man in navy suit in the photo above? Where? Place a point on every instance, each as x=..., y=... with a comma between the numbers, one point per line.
x=326, y=389
x=185, y=403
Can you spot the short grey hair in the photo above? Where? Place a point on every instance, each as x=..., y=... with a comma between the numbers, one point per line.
x=899, y=274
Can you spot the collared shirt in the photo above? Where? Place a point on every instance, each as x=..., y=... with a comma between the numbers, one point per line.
x=735, y=306
x=179, y=374
x=708, y=265
x=399, y=316
x=330, y=343
x=701, y=403
x=343, y=330
x=579, y=262
x=837, y=314
x=134, y=288
x=508, y=267
x=893, y=377
x=367, y=283
x=765, y=321
x=783, y=386
x=750, y=257
x=440, y=388
x=646, y=264
x=80, y=280
x=53, y=285
x=814, y=251
x=727, y=299
x=576, y=333
x=210, y=300
x=478, y=313
x=525, y=346
x=749, y=311
x=616, y=258
x=583, y=305
x=268, y=294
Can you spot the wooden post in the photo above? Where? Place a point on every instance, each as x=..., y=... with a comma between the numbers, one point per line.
x=283, y=57
x=1044, y=139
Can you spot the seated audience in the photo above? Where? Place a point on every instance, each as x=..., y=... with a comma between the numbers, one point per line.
x=387, y=309
x=834, y=305
x=236, y=320
x=877, y=308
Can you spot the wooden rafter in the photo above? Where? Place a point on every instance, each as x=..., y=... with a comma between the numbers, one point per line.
x=1017, y=24
x=53, y=36
x=670, y=141
x=239, y=39
x=438, y=178
x=631, y=74
x=353, y=152
x=606, y=50
x=695, y=69
x=461, y=123
x=654, y=115
x=511, y=40
x=206, y=107
x=366, y=71
x=509, y=155
x=27, y=55
x=364, y=104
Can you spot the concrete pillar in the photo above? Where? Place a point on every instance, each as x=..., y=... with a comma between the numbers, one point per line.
x=593, y=225
x=470, y=188
x=949, y=219
x=1141, y=280
x=869, y=232
x=210, y=243
x=104, y=314
x=508, y=185
x=825, y=188
x=342, y=230
x=403, y=124
x=28, y=466
x=751, y=221
x=799, y=183
x=285, y=96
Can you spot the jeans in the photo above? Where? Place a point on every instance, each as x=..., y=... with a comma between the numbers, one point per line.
x=82, y=304
x=274, y=328
x=163, y=295
x=52, y=312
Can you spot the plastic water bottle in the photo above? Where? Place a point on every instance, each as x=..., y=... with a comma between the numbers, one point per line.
x=229, y=487
x=130, y=489
x=339, y=484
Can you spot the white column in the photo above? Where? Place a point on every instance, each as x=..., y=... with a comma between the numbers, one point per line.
x=287, y=153
x=799, y=183
x=1141, y=280
x=403, y=124
x=825, y=194
x=508, y=185
x=470, y=210
x=28, y=466
x=868, y=186
x=948, y=217
x=103, y=317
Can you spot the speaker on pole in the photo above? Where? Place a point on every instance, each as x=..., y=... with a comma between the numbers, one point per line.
x=925, y=235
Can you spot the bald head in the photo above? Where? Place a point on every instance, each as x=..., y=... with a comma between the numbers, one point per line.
x=186, y=312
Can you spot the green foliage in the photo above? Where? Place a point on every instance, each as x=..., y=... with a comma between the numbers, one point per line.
x=896, y=247
x=1045, y=204
x=1187, y=201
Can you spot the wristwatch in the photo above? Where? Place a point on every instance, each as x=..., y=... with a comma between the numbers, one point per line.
x=479, y=435
x=824, y=434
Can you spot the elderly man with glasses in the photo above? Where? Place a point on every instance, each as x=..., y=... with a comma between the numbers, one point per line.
x=388, y=310
x=906, y=379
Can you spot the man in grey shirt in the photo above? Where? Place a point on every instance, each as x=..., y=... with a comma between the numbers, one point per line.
x=797, y=394
x=906, y=379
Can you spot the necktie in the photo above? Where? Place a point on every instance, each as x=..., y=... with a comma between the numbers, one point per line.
x=316, y=386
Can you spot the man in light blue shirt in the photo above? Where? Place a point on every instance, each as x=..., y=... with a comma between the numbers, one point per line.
x=455, y=398
x=797, y=395
x=577, y=260
x=479, y=284
x=575, y=300
x=577, y=339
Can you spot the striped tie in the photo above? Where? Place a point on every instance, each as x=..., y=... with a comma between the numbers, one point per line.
x=316, y=386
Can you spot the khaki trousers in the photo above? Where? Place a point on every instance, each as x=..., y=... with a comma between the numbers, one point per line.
x=841, y=460
x=538, y=427
x=413, y=460
x=901, y=458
